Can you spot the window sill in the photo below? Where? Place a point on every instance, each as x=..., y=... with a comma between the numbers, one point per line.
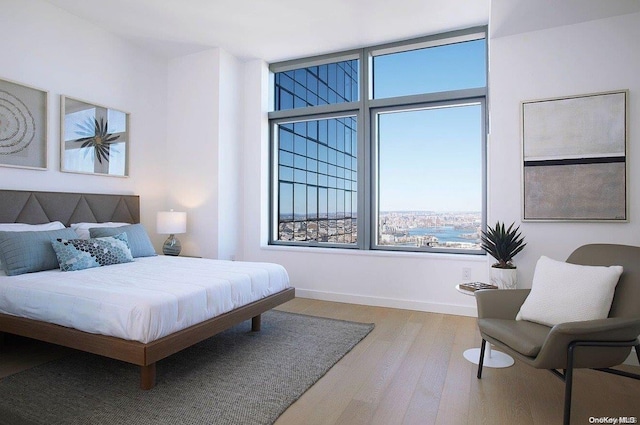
x=480, y=258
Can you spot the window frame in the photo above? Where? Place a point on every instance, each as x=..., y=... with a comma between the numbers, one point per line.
x=274, y=179
x=365, y=110
x=451, y=102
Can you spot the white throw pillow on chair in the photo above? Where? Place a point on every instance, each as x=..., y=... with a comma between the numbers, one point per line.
x=564, y=292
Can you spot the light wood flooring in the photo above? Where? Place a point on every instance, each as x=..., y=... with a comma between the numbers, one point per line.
x=410, y=370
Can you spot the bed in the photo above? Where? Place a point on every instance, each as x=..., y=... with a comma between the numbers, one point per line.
x=259, y=287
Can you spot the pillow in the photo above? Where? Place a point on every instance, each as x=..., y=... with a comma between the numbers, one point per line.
x=79, y=254
x=23, y=227
x=82, y=229
x=26, y=252
x=563, y=292
x=137, y=236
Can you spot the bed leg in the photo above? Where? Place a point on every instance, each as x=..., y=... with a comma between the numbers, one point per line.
x=148, y=376
x=255, y=323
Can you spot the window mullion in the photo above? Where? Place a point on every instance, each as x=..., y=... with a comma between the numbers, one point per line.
x=365, y=180
x=316, y=111
x=449, y=96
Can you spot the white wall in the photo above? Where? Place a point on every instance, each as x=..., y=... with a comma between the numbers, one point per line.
x=230, y=176
x=582, y=58
x=45, y=47
x=576, y=59
x=192, y=165
x=204, y=147
x=590, y=57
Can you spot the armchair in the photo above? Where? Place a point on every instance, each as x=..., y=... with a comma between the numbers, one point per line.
x=595, y=344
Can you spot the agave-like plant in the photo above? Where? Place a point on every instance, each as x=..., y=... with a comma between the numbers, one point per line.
x=502, y=244
x=96, y=135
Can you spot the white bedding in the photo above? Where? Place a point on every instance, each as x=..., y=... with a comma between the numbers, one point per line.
x=144, y=300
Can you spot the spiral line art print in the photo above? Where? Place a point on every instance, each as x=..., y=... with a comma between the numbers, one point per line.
x=17, y=125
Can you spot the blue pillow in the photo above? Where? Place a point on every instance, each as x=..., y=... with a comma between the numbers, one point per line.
x=137, y=236
x=26, y=252
x=80, y=254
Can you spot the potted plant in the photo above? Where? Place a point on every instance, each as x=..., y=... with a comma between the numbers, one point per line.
x=503, y=244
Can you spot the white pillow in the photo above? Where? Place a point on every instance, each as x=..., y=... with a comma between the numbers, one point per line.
x=82, y=229
x=563, y=292
x=23, y=227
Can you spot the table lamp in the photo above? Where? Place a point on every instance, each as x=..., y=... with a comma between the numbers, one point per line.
x=171, y=222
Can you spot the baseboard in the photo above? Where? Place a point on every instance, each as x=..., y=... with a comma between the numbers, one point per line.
x=458, y=310
x=632, y=359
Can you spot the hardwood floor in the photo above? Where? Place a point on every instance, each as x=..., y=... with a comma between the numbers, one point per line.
x=410, y=370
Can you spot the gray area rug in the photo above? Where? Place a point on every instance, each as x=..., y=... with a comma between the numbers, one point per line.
x=236, y=377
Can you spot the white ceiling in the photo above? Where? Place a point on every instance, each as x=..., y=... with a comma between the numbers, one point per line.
x=510, y=17
x=274, y=30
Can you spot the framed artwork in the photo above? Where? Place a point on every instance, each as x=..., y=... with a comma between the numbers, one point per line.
x=94, y=139
x=23, y=126
x=575, y=158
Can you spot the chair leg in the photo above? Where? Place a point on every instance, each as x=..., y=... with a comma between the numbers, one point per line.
x=568, y=384
x=481, y=359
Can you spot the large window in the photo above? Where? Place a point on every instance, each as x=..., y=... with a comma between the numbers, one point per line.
x=382, y=148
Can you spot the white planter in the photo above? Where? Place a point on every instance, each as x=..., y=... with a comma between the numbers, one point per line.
x=504, y=278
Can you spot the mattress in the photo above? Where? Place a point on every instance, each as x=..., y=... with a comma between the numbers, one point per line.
x=145, y=300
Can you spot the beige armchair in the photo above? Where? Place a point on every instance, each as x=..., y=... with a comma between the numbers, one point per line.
x=596, y=344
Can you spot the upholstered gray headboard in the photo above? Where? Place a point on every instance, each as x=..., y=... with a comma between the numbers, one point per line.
x=18, y=206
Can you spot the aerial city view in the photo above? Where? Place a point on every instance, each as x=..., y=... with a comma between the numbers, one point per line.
x=455, y=230
x=459, y=230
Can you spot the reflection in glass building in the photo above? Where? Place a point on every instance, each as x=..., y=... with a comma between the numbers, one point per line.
x=317, y=158
x=317, y=178
x=317, y=85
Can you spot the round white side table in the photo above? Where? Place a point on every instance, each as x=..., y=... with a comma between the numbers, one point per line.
x=492, y=358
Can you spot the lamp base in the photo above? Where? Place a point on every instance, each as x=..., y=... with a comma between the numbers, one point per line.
x=171, y=246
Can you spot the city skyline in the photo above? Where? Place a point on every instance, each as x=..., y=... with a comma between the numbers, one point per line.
x=447, y=230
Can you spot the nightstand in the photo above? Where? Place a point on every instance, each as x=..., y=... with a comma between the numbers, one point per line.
x=492, y=358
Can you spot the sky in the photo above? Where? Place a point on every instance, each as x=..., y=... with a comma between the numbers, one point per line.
x=430, y=160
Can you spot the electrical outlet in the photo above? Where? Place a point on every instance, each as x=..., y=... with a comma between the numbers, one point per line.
x=466, y=273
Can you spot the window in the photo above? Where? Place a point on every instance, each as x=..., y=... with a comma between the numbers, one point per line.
x=325, y=84
x=429, y=176
x=317, y=180
x=434, y=69
x=382, y=148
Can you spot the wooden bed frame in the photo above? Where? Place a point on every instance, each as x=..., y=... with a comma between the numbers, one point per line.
x=41, y=207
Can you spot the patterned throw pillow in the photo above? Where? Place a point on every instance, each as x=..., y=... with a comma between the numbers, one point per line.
x=79, y=254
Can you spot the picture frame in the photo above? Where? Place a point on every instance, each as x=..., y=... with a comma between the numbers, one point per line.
x=94, y=139
x=23, y=126
x=574, y=157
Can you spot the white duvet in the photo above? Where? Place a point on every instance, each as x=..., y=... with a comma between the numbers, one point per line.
x=142, y=301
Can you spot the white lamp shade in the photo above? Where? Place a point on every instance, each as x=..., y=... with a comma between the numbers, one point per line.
x=171, y=222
